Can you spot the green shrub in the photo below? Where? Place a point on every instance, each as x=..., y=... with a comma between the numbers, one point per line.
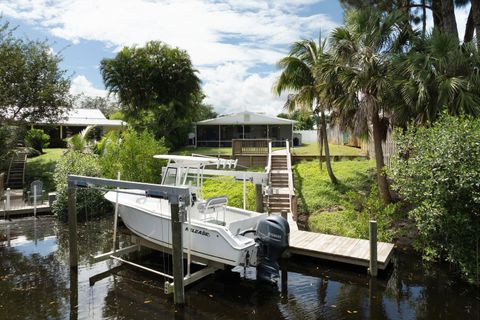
x=438, y=170
x=37, y=139
x=132, y=153
x=353, y=219
x=88, y=200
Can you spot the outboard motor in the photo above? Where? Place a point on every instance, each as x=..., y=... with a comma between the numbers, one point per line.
x=272, y=238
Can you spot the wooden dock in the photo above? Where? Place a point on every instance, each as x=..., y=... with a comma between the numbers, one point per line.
x=340, y=249
x=18, y=206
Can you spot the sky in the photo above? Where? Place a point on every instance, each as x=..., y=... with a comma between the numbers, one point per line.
x=234, y=44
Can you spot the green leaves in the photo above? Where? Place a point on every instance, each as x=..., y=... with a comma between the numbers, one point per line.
x=437, y=170
x=88, y=200
x=37, y=139
x=158, y=88
x=32, y=86
x=132, y=153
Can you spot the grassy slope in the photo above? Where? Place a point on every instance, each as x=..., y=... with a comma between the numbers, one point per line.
x=306, y=149
x=232, y=189
x=42, y=167
x=343, y=209
x=314, y=190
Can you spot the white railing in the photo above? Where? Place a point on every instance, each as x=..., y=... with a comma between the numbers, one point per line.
x=268, y=170
x=290, y=176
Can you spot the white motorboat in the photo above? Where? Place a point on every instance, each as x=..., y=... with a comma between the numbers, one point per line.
x=212, y=230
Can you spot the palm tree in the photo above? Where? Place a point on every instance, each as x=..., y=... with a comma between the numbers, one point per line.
x=298, y=77
x=437, y=74
x=362, y=50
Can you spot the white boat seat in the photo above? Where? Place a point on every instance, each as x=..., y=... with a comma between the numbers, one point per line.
x=212, y=203
x=215, y=221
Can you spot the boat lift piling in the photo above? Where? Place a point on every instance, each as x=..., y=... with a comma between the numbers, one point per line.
x=178, y=197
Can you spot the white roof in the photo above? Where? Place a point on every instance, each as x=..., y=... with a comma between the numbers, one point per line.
x=197, y=161
x=89, y=117
x=246, y=118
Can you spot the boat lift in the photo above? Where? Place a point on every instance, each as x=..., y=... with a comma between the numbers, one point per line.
x=179, y=199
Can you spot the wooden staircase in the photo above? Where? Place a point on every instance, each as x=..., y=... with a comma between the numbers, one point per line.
x=16, y=171
x=279, y=200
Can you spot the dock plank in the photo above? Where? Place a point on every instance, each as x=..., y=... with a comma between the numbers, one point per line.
x=337, y=248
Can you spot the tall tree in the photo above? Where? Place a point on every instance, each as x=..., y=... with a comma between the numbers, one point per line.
x=442, y=11
x=158, y=88
x=32, y=85
x=305, y=120
x=437, y=75
x=106, y=105
x=362, y=49
x=298, y=77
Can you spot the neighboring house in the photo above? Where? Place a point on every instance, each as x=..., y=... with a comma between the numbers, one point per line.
x=219, y=132
x=75, y=121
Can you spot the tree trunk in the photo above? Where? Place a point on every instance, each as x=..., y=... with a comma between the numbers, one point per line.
x=448, y=17
x=469, y=28
x=328, y=162
x=424, y=19
x=475, y=10
x=383, y=187
x=437, y=15
x=319, y=140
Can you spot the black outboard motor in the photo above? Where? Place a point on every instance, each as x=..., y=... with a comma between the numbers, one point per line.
x=272, y=238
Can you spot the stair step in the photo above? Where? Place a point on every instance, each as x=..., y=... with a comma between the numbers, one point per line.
x=279, y=196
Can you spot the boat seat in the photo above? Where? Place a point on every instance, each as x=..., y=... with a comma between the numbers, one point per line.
x=212, y=203
x=215, y=221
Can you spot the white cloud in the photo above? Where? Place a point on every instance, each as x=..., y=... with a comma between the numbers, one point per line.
x=202, y=28
x=81, y=85
x=218, y=34
x=230, y=88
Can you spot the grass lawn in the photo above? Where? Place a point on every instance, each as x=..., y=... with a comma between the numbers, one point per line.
x=335, y=150
x=42, y=168
x=306, y=149
x=187, y=151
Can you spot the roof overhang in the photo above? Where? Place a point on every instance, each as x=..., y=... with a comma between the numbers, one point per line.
x=247, y=118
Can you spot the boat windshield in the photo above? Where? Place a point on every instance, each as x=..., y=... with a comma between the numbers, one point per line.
x=177, y=176
x=170, y=177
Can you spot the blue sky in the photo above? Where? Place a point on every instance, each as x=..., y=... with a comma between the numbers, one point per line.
x=233, y=43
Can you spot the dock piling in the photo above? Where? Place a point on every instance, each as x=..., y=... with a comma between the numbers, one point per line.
x=373, y=269
x=258, y=198
x=115, y=218
x=7, y=205
x=35, y=201
x=177, y=255
x=72, y=225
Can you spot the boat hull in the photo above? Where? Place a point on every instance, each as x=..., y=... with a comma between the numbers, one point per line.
x=205, y=240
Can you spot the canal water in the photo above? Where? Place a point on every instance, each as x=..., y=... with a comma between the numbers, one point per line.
x=35, y=283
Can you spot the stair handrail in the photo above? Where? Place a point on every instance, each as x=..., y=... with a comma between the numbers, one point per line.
x=268, y=170
x=290, y=175
x=10, y=167
x=24, y=168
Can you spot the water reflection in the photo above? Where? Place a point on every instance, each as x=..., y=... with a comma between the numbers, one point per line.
x=36, y=282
